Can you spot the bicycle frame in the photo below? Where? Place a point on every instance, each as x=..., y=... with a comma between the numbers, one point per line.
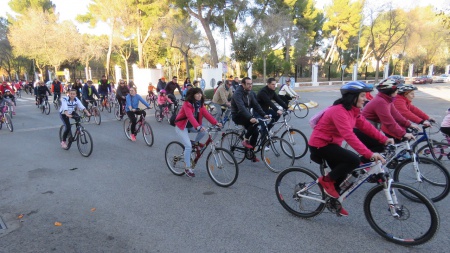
x=284, y=123
x=209, y=142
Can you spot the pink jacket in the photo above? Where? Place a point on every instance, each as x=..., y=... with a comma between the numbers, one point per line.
x=187, y=113
x=409, y=111
x=163, y=99
x=446, y=120
x=381, y=110
x=336, y=125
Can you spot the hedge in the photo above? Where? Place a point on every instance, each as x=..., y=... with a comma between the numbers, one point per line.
x=209, y=93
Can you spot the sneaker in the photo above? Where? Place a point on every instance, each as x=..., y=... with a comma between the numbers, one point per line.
x=13, y=113
x=133, y=137
x=189, y=173
x=63, y=145
x=328, y=187
x=255, y=160
x=267, y=148
x=159, y=119
x=343, y=212
x=247, y=145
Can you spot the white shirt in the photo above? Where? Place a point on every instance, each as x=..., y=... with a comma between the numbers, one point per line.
x=287, y=89
x=70, y=106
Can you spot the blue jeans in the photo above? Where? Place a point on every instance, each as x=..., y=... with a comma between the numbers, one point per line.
x=184, y=138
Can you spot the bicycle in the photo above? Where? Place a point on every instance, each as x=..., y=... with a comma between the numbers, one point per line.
x=82, y=137
x=118, y=109
x=152, y=99
x=147, y=131
x=57, y=104
x=8, y=108
x=44, y=106
x=221, y=165
x=5, y=118
x=301, y=110
x=276, y=153
x=166, y=113
x=422, y=173
x=19, y=93
x=295, y=137
x=94, y=111
x=104, y=103
x=393, y=216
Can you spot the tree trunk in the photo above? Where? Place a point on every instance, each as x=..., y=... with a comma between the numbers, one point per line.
x=186, y=62
x=212, y=43
x=377, y=71
x=108, y=55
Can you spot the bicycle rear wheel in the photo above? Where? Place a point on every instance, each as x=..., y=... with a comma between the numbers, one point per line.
x=434, y=178
x=84, y=143
x=277, y=154
x=301, y=110
x=223, y=172
x=46, y=108
x=147, y=133
x=97, y=115
x=415, y=222
x=8, y=122
x=232, y=142
x=298, y=141
x=174, y=156
x=127, y=128
x=298, y=192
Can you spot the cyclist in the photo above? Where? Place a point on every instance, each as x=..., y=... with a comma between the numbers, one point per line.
x=189, y=119
x=121, y=94
x=162, y=100
x=170, y=88
x=187, y=81
x=56, y=89
x=222, y=97
x=161, y=84
x=242, y=101
x=104, y=87
x=336, y=125
x=41, y=92
x=88, y=93
x=381, y=110
x=286, y=93
x=445, y=125
x=235, y=83
x=5, y=86
x=78, y=86
x=69, y=105
x=8, y=99
x=265, y=97
x=132, y=108
x=151, y=88
x=402, y=103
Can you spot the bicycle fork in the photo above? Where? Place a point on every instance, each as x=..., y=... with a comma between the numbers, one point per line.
x=391, y=198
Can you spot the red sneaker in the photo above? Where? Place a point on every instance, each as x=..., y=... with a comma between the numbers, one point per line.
x=133, y=137
x=247, y=145
x=255, y=160
x=343, y=212
x=328, y=187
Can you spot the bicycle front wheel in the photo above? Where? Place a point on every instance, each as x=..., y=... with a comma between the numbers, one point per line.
x=298, y=192
x=127, y=128
x=147, y=133
x=301, y=110
x=174, y=156
x=298, y=141
x=84, y=143
x=412, y=223
x=434, y=178
x=277, y=154
x=222, y=172
x=437, y=151
x=8, y=122
x=97, y=115
x=47, y=108
x=232, y=142
x=117, y=111
x=108, y=106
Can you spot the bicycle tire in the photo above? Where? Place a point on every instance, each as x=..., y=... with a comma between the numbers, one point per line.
x=289, y=182
x=147, y=133
x=157, y=112
x=10, y=111
x=8, y=122
x=301, y=110
x=47, y=108
x=100, y=105
x=117, y=112
x=85, y=140
x=435, y=178
x=399, y=229
x=174, y=156
x=56, y=105
x=127, y=128
x=232, y=142
x=427, y=143
x=300, y=145
x=274, y=156
x=97, y=115
x=108, y=106
x=1, y=121
x=217, y=167
x=168, y=115
x=437, y=152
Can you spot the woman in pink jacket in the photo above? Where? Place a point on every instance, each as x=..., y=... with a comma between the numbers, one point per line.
x=189, y=119
x=336, y=125
x=402, y=103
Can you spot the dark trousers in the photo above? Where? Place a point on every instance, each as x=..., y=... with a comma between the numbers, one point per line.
x=121, y=105
x=56, y=95
x=133, y=119
x=66, y=123
x=340, y=160
x=251, y=132
x=275, y=118
x=285, y=98
x=445, y=130
x=369, y=142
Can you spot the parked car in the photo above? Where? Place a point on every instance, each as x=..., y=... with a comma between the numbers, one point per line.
x=438, y=79
x=400, y=79
x=446, y=78
x=423, y=80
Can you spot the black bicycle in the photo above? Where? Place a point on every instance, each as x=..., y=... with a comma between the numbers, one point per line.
x=82, y=137
x=147, y=131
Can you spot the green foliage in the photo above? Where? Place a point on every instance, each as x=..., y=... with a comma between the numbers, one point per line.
x=210, y=93
x=22, y=6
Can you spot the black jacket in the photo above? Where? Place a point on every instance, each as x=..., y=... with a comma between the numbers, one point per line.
x=161, y=85
x=265, y=97
x=171, y=86
x=242, y=101
x=42, y=90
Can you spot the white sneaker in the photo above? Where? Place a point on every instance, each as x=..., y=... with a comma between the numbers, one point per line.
x=63, y=145
x=266, y=148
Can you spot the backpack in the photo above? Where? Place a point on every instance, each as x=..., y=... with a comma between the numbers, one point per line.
x=315, y=119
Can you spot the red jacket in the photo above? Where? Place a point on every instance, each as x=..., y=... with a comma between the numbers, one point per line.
x=409, y=111
x=381, y=110
x=6, y=87
x=337, y=125
x=187, y=113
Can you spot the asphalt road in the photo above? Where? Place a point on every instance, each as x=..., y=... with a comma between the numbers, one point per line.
x=123, y=198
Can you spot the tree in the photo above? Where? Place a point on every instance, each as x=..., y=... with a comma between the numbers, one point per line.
x=22, y=6
x=6, y=56
x=93, y=47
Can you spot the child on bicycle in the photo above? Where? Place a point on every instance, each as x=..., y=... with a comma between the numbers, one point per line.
x=8, y=99
x=151, y=88
x=163, y=101
x=132, y=109
x=445, y=125
x=69, y=105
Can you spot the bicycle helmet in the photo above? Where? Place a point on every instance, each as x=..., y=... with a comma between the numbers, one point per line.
x=403, y=88
x=162, y=91
x=354, y=88
x=387, y=85
x=7, y=90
